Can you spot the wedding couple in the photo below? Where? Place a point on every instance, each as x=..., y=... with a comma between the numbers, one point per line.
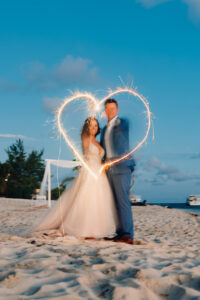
x=98, y=208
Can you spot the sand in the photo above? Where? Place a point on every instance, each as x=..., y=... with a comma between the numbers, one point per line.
x=163, y=264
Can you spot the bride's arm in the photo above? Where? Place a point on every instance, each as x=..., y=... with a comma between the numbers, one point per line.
x=85, y=144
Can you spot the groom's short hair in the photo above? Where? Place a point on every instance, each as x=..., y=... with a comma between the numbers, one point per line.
x=110, y=100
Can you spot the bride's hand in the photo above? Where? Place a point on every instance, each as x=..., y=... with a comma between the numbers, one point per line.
x=106, y=166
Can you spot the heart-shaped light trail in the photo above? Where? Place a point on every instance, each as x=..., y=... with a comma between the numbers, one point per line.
x=97, y=105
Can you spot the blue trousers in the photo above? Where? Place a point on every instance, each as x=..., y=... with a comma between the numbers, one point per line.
x=120, y=185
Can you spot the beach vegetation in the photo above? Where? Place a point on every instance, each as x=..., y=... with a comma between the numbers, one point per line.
x=22, y=173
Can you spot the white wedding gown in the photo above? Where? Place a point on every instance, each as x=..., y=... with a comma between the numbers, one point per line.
x=86, y=208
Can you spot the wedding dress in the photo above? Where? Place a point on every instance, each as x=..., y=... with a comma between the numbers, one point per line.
x=86, y=208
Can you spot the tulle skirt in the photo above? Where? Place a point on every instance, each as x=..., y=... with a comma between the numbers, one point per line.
x=85, y=209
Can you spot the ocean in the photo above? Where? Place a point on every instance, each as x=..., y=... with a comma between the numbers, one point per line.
x=183, y=206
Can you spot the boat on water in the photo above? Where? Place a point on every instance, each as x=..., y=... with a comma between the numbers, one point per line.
x=137, y=200
x=193, y=200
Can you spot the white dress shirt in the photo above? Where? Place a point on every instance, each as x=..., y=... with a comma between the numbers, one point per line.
x=110, y=124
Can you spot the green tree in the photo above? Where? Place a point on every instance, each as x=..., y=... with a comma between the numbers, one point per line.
x=25, y=171
x=56, y=192
x=4, y=175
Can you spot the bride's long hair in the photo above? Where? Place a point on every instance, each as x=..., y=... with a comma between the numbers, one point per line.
x=85, y=132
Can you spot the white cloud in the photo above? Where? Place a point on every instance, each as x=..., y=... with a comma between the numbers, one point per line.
x=7, y=85
x=150, y=3
x=69, y=71
x=166, y=173
x=193, y=6
x=195, y=156
x=194, y=9
x=16, y=136
x=51, y=104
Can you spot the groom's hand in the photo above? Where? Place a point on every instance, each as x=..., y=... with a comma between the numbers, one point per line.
x=109, y=163
x=106, y=165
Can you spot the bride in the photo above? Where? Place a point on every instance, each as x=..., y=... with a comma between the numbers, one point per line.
x=86, y=209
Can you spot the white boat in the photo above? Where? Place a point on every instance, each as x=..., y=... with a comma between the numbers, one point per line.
x=137, y=200
x=193, y=200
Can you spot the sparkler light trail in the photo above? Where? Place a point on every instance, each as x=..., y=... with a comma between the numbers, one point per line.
x=76, y=96
x=146, y=104
x=97, y=106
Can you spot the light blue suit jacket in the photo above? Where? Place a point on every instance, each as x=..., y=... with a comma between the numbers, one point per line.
x=119, y=141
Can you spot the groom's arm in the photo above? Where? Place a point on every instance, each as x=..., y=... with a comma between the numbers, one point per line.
x=121, y=141
x=125, y=138
x=121, y=138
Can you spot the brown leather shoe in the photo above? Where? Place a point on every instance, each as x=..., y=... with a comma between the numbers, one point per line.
x=111, y=239
x=125, y=239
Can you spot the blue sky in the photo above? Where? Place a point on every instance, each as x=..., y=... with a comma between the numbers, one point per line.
x=50, y=47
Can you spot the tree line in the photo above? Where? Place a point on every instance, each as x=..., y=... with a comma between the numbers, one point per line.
x=21, y=173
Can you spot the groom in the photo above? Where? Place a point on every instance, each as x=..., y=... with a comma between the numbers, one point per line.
x=115, y=141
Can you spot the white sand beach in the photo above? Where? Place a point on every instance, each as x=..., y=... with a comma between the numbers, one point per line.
x=163, y=264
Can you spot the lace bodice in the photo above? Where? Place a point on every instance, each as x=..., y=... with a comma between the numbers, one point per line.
x=93, y=155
